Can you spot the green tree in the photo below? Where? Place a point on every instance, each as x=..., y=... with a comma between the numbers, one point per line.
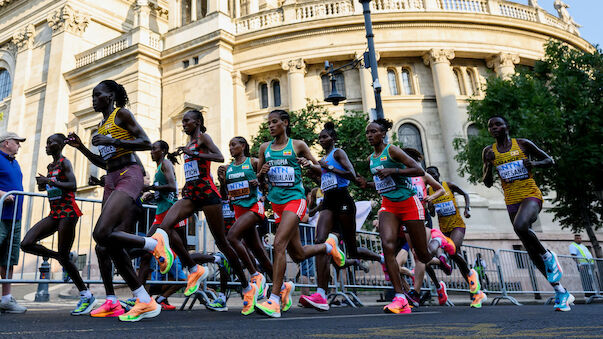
x=558, y=105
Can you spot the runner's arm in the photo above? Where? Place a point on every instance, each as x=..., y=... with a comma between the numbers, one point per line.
x=487, y=171
x=455, y=189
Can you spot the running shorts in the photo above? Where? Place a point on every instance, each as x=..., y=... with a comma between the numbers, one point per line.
x=201, y=193
x=339, y=200
x=297, y=206
x=405, y=210
x=64, y=208
x=257, y=208
x=515, y=207
x=128, y=179
x=159, y=219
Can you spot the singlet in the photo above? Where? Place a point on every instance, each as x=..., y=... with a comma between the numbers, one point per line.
x=228, y=214
x=419, y=185
x=110, y=129
x=284, y=176
x=237, y=184
x=196, y=168
x=517, y=181
x=330, y=180
x=395, y=187
x=447, y=209
x=55, y=194
x=164, y=200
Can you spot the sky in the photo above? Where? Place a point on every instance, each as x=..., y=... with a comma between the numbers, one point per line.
x=586, y=13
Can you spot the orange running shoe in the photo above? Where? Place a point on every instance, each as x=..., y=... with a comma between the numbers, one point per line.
x=249, y=299
x=195, y=279
x=286, y=300
x=142, y=310
x=269, y=308
x=447, y=243
x=442, y=295
x=474, y=285
x=337, y=254
x=162, y=252
x=478, y=299
x=108, y=309
x=398, y=306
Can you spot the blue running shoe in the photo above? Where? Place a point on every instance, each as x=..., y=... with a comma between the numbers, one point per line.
x=84, y=306
x=563, y=301
x=224, y=263
x=128, y=303
x=218, y=305
x=553, y=269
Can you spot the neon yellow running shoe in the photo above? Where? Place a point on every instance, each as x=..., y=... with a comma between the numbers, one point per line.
x=142, y=310
x=269, y=308
x=249, y=299
x=286, y=300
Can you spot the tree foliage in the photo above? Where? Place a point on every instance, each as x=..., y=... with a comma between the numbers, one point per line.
x=557, y=105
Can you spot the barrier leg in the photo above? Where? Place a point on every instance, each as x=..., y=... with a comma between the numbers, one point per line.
x=597, y=294
x=503, y=288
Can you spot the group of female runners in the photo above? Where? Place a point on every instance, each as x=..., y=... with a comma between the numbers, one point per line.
x=275, y=176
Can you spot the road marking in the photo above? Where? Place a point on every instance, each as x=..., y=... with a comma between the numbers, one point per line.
x=345, y=316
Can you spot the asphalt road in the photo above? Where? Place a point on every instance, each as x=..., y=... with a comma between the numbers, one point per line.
x=502, y=321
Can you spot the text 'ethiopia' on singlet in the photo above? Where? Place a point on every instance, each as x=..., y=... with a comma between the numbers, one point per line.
x=110, y=129
x=517, y=181
x=394, y=187
x=237, y=184
x=163, y=200
x=284, y=176
x=330, y=180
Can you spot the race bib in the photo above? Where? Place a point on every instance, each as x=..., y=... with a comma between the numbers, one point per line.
x=191, y=171
x=239, y=190
x=384, y=185
x=445, y=209
x=54, y=193
x=419, y=190
x=283, y=176
x=328, y=181
x=512, y=171
x=106, y=152
x=156, y=194
x=227, y=212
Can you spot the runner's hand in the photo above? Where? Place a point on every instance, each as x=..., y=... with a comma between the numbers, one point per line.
x=303, y=162
x=102, y=140
x=73, y=140
x=383, y=173
x=361, y=181
x=466, y=213
x=265, y=169
x=42, y=180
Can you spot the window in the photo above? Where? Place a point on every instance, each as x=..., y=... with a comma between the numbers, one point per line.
x=410, y=136
x=457, y=80
x=339, y=84
x=276, y=92
x=472, y=82
x=406, y=82
x=263, y=95
x=186, y=12
x=5, y=84
x=186, y=63
x=201, y=9
x=392, y=78
x=196, y=60
x=472, y=131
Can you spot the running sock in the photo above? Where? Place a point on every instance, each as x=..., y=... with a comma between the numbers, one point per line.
x=322, y=292
x=559, y=288
x=217, y=259
x=400, y=295
x=149, y=244
x=329, y=247
x=160, y=299
x=86, y=294
x=382, y=260
x=275, y=298
x=546, y=256
x=193, y=269
x=142, y=294
x=438, y=240
x=6, y=298
x=247, y=289
x=112, y=298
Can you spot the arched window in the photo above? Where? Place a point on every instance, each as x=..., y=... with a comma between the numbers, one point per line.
x=201, y=9
x=263, y=95
x=185, y=11
x=276, y=92
x=392, y=78
x=472, y=131
x=339, y=84
x=459, y=84
x=410, y=136
x=472, y=82
x=406, y=82
x=5, y=84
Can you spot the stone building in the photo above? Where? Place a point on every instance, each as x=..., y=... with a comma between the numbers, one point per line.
x=238, y=59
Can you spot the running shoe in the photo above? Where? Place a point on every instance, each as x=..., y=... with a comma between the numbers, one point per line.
x=363, y=266
x=315, y=300
x=224, y=263
x=444, y=265
x=249, y=300
x=195, y=279
x=269, y=308
x=447, y=243
x=410, y=300
x=128, y=303
x=425, y=297
x=477, y=299
x=165, y=305
x=398, y=306
x=108, y=309
x=218, y=305
x=162, y=252
x=553, y=269
x=384, y=268
x=142, y=310
x=415, y=298
x=442, y=295
x=337, y=254
x=563, y=301
x=84, y=306
x=12, y=306
x=473, y=279
x=286, y=300
x=260, y=283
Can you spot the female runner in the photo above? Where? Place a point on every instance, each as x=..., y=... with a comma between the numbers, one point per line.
x=512, y=159
x=400, y=207
x=338, y=209
x=279, y=163
x=60, y=186
x=243, y=189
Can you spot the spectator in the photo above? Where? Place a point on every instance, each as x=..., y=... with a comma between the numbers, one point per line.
x=11, y=179
x=584, y=262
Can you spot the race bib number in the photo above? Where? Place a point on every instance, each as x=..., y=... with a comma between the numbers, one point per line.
x=106, y=152
x=191, y=170
x=239, y=190
x=283, y=176
x=227, y=212
x=445, y=209
x=156, y=194
x=328, y=181
x=54, y=193
x=419, y=190
x=384, y=185
x=512, y=171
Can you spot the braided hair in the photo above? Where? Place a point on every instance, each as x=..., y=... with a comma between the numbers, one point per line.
x=385, y=124
x=329, y=128
x=165, y=148
x=199, y=116
x=121, y=96
x=243, y=141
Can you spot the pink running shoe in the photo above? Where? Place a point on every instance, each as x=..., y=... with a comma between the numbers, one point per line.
x=447, y=243
x=398, y=306
x=315, y=300
x=444, y=265
x=108, y=309
x=384, y=268
x=442, y=295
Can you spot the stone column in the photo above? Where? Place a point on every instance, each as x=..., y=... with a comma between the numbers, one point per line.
x=451, y=120
x=431, y=5
x=240, y=103
x=174, y=14
x=297, y=89
x=22, y=42
x=503, y=64
x=253, y=6
x=366, y=87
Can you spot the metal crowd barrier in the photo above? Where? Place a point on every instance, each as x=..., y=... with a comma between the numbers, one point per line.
x=504, y=273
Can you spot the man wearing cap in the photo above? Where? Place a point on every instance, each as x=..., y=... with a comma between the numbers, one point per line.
x=11, y=179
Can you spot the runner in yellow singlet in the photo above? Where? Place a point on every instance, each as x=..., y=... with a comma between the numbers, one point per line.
x=514, y=160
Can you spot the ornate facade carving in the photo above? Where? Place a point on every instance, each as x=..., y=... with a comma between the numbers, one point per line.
x=294, y=65
x=436, y=55
x=68, y=19
x=25, y=37
x=502, y=59
x=4, y=2
x=160, y=11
